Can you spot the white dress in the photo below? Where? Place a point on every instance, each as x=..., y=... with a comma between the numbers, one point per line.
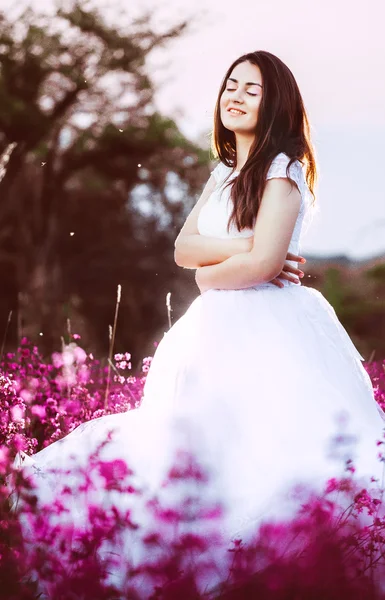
x=255, y=382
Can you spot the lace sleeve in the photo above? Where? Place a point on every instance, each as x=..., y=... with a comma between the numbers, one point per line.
x=278, y=169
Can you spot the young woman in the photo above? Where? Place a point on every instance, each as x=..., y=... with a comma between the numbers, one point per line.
x=258, y=376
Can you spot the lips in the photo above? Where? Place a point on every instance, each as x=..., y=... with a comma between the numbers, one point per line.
x=239, y=111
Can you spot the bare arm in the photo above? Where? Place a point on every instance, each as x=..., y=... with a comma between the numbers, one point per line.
x=272, y=234
x=193, y=250
x=197, y=250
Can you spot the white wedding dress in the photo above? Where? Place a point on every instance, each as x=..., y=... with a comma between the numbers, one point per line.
x=255, y=382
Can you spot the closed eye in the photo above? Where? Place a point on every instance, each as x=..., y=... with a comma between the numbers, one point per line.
x=233, y=90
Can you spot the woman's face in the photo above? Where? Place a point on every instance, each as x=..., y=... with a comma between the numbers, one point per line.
x=243, y=92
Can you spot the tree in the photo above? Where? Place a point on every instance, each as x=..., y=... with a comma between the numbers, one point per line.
x=76, y=98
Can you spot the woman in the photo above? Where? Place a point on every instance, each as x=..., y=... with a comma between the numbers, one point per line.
x=258, y=376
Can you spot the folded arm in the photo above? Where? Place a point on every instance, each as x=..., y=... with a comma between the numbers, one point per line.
x=193, y=250
x=273, y=230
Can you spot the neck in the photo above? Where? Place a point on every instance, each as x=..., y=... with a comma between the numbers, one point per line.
x=243, y=143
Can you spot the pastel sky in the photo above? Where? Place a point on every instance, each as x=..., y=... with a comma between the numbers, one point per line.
x=336, y=50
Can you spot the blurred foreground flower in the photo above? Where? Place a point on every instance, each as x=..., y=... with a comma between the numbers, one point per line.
x=128, y=544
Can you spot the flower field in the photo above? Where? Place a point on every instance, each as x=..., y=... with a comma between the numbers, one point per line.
x=333, y=549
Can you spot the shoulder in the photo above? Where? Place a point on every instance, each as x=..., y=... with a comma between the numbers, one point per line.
x=278, y=168
x=220, y=172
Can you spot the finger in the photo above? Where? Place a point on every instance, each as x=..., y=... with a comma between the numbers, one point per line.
x=277, y=282
x=290, y=269
x=295, y=257
x=289, y=277
x=283, y=275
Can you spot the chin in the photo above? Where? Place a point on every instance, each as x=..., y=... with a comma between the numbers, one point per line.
x=235, y=129
x=228, y=124
x=229, y=128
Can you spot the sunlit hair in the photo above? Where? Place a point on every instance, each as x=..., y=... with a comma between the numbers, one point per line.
x=282, y=126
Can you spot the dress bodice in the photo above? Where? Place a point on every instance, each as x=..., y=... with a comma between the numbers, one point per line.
x=215, y=213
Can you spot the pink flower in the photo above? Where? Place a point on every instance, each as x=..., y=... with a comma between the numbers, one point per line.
x=211, y=513
x=349, y=466
x=80, y=355
x=113, y=472
x=190, y=541
x=39, y=411
x=146, y=363
x=19, y=442
x=26, y=396
x=57, y=360
x=83, y=374
x=4, y=459
x=17, y=413
x=331, y=486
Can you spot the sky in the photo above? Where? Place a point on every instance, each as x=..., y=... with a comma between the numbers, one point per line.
x=336, y=51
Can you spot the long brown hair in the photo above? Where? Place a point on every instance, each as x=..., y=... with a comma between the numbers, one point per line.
x=282, y=126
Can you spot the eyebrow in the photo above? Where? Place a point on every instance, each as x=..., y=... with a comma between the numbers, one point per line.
x=248, y=83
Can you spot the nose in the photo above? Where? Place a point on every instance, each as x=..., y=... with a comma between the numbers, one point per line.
x=237, y=96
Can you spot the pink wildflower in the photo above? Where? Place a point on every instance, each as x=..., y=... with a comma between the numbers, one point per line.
x=17, y=413
x=19, y=442
x=57, y=360
x=38, y=411
x=113, y=471
x=80, y=355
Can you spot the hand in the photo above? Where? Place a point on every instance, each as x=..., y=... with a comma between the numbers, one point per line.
x=288, y=272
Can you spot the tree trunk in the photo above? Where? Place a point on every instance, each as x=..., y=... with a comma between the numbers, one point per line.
x=41, y=315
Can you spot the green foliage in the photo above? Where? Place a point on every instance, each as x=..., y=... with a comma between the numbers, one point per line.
x=332, y=288
x=76, y=96
x=377, y=274
x=357, y=296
